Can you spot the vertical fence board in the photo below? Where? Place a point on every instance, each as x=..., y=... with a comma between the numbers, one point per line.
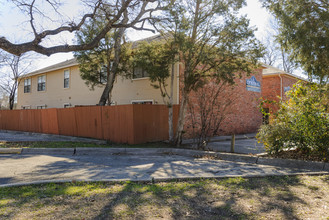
x=13, y=119
x=37, y=119
x=118, y=123
x=49, y=121
x=88, y=120
x=150, y=123
x=66, y=122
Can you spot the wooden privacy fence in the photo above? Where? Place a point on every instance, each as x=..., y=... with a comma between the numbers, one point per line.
x=133, y=124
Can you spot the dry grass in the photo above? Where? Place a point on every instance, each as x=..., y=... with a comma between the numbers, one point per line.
x=302, y=197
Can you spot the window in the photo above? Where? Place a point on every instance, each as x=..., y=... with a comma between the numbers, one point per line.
x=41, y=106
x=27, y=85
x=103, y=74
x=26, y=107
x=42, y=83
x=145, y=102
x=67, y=105
x=66, y=78
x=139, y=72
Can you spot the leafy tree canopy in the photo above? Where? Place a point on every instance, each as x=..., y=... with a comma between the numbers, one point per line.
x=95, y=64
x=304, y=31
x=302, y=122
x=212, y=41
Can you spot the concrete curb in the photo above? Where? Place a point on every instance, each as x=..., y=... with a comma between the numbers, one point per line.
x=288, y=163
x=159, y=180
x=10, y=150
x=48, y=151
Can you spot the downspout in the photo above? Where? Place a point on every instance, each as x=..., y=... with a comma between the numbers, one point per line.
x=280, y=86
x=178, y=83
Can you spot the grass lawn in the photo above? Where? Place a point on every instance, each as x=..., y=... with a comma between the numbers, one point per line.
x=68, y=144
x=301, y=197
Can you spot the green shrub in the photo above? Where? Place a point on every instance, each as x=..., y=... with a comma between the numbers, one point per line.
x=302, y=122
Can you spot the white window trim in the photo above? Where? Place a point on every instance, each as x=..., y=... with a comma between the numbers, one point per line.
x=45, y=83
x=142, y=78
x=44, y=105
x=68, y=78
x=26, y=107
x=142, y=100
x=69, y=105
x=29, y=85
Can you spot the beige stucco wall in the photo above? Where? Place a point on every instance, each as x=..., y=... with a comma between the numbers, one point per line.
x=55, y=96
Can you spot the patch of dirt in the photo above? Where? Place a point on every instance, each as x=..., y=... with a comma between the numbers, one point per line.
x=298, y=155
x=208, y=157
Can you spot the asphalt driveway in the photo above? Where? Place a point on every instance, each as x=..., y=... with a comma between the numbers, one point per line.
x=28, y=168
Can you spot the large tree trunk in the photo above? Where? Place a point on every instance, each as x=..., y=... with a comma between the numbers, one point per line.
x=181, y=119
x=12, y=95
x=11, y=101
x=106, y=95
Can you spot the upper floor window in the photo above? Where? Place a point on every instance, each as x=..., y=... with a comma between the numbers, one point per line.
x=139, y=72
x=66, y=78
x=42, y=83
x=27, y=85
x=103, y=74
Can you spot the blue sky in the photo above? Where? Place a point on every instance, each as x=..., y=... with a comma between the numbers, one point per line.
x=12, y=26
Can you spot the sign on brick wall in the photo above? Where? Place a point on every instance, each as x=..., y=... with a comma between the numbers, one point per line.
x=286, y=89
x=253, y=85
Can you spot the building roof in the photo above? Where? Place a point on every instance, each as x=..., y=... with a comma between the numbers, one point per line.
x=61, y=65
x=74, y=62
x=267, y=69
x=271, y=71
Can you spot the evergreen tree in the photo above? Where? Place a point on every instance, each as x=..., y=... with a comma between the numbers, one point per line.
x=304, y=33
x=213, y=44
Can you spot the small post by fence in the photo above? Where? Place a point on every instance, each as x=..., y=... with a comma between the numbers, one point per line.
x=232, y=143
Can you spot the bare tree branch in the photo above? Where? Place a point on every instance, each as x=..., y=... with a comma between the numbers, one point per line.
x=139, y=13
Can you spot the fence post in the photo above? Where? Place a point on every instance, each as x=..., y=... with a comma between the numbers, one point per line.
x=232, y=143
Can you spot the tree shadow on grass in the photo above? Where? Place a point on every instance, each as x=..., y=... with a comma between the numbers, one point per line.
x=193, y=199
x=197, y=200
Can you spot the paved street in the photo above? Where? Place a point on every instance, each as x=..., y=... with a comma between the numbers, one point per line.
x=35, y=165
x=29, y=168
x=245, y=146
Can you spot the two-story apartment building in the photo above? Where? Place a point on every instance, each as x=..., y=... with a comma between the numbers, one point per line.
x=60, y=86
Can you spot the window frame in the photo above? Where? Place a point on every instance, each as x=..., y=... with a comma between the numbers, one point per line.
x=144, y=74
x=41, y=106
x=41, y=88
x=67, y=105
x=67, y=79
x=103, y=74
x=143, y=102
x=27, y=88
x=25, y=107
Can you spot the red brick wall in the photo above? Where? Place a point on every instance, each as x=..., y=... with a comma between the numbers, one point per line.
x=242, y=116
x=272, y=89
x=287, y=82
